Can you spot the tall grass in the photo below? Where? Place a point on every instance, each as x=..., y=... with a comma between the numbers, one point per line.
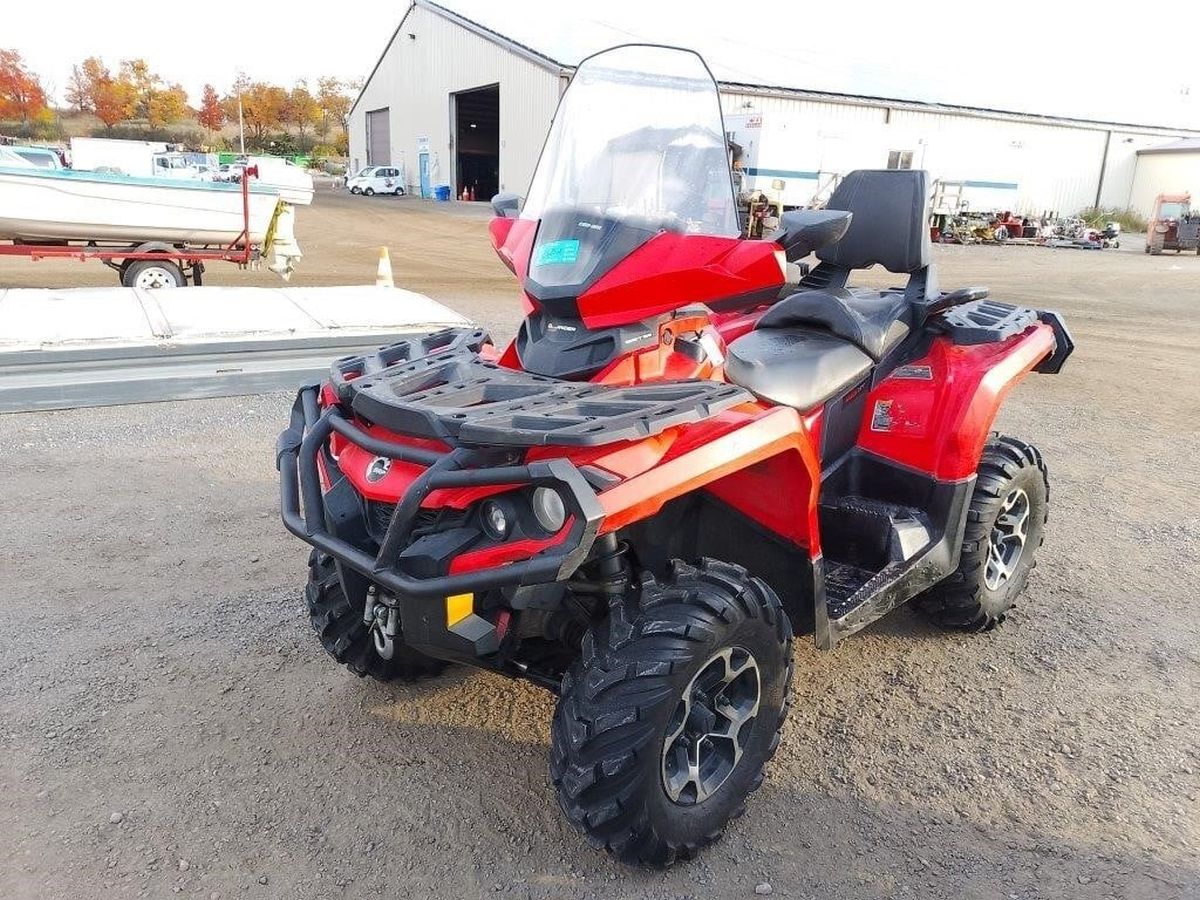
x=1099, y=216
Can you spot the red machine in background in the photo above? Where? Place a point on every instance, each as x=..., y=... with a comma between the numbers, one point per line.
x=1172, y=225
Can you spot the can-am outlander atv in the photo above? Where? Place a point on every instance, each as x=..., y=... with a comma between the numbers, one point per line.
x=671, y=470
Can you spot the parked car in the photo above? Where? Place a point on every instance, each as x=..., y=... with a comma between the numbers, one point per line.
x=231, y=172
x=377, y=180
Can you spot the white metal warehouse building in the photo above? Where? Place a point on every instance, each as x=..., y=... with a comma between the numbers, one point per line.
x=453, y=101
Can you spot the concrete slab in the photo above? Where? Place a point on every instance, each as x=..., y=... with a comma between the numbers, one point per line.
x=100, y=346
x=37, y=319
x=32, y=318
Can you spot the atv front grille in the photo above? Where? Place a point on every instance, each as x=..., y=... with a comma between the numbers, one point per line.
x=379, y=516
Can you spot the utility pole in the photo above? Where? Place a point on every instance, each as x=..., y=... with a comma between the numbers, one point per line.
x=241, y=124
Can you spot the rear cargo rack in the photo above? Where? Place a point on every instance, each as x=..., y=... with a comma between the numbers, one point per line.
x=985, y=322
x=438, y=387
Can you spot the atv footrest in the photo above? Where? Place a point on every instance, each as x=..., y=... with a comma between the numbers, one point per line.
x=869, y=533
x=842, y=582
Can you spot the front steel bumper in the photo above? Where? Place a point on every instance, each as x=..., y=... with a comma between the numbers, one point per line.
x=305, y=514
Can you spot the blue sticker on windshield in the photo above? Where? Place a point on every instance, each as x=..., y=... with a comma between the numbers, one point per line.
x=557, y=253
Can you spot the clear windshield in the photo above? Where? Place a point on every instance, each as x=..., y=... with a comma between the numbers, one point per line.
x=638, y=138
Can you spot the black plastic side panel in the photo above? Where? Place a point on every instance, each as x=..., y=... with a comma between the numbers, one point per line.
x=700, y=525
x=1064, y=345
x=566, y=348
x=841, y=421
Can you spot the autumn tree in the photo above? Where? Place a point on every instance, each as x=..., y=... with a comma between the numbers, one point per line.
x=212, y=114
x=84, y=82
x=136, y=73
x=114, y=101
x=263, y=107
x=21, y=94
x=334, y=100
x=165, y=105
x=302, y=109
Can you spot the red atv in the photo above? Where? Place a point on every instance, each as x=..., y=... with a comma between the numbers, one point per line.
x=671, y=470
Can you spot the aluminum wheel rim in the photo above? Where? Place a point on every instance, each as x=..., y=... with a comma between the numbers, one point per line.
x=154, y=277
x=1006, y=544
x=709, y=729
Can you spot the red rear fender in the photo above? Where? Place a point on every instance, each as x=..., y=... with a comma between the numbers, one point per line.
x=934, y=414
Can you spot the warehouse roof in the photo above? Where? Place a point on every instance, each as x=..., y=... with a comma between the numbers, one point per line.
x=1184, y=145
x=557, y=36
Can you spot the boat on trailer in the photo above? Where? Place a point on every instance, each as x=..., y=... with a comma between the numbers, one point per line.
x=122, y=219
x=68, y=205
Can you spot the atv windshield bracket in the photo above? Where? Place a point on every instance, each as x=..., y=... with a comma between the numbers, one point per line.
x=307, y=437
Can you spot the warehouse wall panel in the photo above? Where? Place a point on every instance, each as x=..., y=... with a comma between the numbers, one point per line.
x=431, y=58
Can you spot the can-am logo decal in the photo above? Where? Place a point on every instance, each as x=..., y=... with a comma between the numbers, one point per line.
x=378, y=468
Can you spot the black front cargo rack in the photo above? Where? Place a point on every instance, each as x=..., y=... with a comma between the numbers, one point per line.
x=438, y=387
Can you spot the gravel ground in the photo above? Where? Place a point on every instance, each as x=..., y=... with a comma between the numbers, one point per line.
x=168, y=726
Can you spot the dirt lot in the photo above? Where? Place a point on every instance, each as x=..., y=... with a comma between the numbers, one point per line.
x=167, y=725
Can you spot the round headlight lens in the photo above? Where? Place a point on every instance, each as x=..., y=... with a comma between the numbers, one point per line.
x=548, y=508
x=495, y=519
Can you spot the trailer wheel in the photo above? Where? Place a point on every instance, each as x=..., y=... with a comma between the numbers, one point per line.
x=151, y=274
x=370, y=192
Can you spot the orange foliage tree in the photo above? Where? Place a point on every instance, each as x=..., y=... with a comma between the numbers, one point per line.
x=21, y=94
x=165, y=105
x=212, y=114
x=114, y=101
x=84, y=83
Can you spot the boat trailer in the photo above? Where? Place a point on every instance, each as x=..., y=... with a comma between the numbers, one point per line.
x=176, y=265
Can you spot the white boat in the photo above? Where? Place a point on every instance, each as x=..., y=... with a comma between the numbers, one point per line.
x=68, y=205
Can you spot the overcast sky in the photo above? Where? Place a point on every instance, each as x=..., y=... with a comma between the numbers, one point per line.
x=1075, y=58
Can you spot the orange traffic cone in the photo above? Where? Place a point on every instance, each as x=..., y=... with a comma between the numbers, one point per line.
x=383, y=274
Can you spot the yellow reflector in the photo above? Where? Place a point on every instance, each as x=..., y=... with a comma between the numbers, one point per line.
x=458, y=608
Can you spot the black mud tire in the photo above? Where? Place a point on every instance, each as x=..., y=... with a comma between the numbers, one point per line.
x=964, y=600
x=339, y=626
x=610, y=725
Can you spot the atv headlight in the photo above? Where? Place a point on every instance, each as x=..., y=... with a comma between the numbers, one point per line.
x=548, y=509
x=495, y=519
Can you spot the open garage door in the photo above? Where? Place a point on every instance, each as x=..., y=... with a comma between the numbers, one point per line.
x=379, y=137
x=477, y=141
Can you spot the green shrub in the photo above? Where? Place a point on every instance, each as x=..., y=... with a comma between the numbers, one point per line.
x=191, y=138
x=1098, y=217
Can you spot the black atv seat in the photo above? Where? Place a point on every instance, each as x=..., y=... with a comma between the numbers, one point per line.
x=825, y=338
x=798, y=367
x=874, y=322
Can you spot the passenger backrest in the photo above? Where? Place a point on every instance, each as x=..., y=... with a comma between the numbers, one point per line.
x=890, y=224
